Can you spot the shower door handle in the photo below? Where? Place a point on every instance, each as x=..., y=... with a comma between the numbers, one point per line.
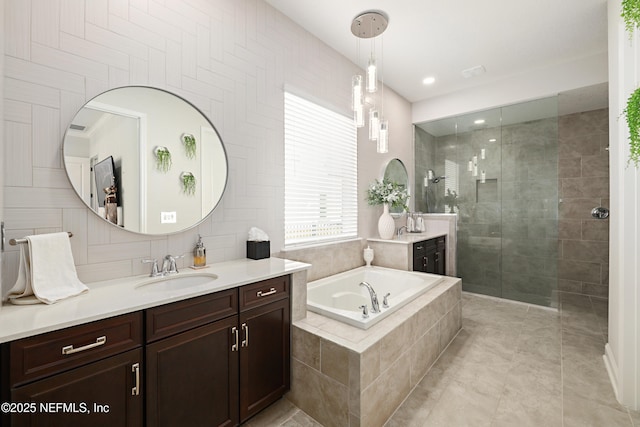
x=600, y=213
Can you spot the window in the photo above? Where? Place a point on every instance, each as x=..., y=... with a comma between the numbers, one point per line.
x=320, y=180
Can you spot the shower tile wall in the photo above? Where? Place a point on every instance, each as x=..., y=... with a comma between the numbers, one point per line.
x=584, y=184
x=425, y=153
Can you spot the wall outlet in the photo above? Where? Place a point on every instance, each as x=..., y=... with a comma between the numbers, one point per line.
x=168, y=217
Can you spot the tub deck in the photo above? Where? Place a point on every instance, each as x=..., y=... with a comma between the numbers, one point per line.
x=346, y=376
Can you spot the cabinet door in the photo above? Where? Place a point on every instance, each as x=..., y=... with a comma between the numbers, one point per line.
x=420, y=260
x=104, y=393
x=264, y=356
x=192, y=377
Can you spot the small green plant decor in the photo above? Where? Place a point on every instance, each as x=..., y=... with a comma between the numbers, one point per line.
x=163, y=159
x=188, y=183
x=631, y=17
x=189, y=142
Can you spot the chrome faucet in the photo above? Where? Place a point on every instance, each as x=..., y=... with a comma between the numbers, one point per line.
x=375, y=305
x=169, y=264
x=400, y=230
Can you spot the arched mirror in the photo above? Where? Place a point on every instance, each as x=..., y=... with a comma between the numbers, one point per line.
x=145, y=160
x=396, y=172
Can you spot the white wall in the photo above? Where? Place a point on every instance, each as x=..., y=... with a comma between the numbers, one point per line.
x=231, y=58
x=622, y=355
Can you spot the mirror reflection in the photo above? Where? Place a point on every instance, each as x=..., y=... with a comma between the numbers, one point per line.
x=397, y=172
x=145, y=160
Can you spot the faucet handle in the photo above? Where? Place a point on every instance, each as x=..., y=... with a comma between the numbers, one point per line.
x=385, y=301
x=154, y=267
x=365, y=311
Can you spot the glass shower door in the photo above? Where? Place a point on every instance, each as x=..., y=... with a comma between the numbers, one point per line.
x=497, y=170
x=530, y=202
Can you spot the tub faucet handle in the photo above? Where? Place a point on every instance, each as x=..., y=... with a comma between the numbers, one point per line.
x=365, y=311
x=385, y=301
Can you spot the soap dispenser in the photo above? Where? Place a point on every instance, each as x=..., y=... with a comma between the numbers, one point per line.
x=199, y=254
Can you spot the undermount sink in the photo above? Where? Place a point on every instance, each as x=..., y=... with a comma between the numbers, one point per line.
x=174, y=282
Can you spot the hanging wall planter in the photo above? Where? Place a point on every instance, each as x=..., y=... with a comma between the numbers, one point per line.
x=163, y=158
x=632, y=113
x=188, y=183
x=189, y=142
x=631, y=16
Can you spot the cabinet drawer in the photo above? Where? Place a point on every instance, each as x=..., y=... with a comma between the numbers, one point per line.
x=259, y=293
x=181, y=316
x=42, y=355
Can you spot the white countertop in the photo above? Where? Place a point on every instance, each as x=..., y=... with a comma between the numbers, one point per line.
x=407, y=238
x=119, y=296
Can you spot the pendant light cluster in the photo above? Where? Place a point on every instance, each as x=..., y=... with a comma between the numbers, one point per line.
x=369, y=25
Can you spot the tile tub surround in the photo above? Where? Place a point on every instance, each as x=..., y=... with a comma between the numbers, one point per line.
x=329, y=258
x=345, y=376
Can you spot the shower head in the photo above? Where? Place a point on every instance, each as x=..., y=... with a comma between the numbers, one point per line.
x=437, y=179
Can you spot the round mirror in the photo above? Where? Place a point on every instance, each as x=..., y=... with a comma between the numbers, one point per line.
x=396, y=172
x=145, y=160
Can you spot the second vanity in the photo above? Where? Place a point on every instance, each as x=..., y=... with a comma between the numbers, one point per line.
x=138, y=352
x=432, y=251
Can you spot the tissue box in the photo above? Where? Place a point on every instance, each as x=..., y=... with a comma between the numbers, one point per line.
x=258, y=249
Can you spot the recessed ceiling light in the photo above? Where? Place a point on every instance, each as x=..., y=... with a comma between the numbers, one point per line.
x=479, y=122
x=429, y=80
x=492, y=140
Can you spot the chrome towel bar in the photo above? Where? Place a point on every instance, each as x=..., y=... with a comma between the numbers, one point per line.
x=14, y=242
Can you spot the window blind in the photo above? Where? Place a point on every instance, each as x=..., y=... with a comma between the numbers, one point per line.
x=321, y=166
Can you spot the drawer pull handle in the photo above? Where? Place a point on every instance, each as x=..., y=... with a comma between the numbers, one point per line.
x=68, y=349
x=266, y=294
x=245, y=341
x=135, y=368
x=234, y=331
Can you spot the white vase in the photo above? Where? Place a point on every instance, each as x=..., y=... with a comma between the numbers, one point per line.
x=386, y=224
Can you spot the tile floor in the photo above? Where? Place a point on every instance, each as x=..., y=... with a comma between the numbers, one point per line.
x=510, y=365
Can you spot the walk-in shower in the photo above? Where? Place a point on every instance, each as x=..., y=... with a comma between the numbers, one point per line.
x=498, y=171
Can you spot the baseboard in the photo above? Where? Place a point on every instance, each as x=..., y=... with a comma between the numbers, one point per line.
x=612, y=368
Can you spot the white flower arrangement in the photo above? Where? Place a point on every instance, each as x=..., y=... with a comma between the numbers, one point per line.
x=385, y=191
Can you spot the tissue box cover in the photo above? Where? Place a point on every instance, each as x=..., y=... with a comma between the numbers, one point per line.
x=258, y=249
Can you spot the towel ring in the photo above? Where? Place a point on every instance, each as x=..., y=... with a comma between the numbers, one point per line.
x=14, y=242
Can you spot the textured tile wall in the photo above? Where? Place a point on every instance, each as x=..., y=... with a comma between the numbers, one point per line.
x=231, y=58
x=583, y=265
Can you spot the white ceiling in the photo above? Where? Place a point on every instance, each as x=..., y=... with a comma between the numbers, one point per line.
x=441, y=38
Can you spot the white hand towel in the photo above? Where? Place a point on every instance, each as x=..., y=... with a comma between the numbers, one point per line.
x=49, y=270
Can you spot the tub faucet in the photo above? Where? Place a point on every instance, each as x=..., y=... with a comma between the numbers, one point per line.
x=375, y=305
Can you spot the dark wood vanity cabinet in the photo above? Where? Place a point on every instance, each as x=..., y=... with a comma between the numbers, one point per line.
x=213, y=360
x=87, y=375
x=216, y=360
x=192, y=367
x=265, y=344
x=429, y=256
